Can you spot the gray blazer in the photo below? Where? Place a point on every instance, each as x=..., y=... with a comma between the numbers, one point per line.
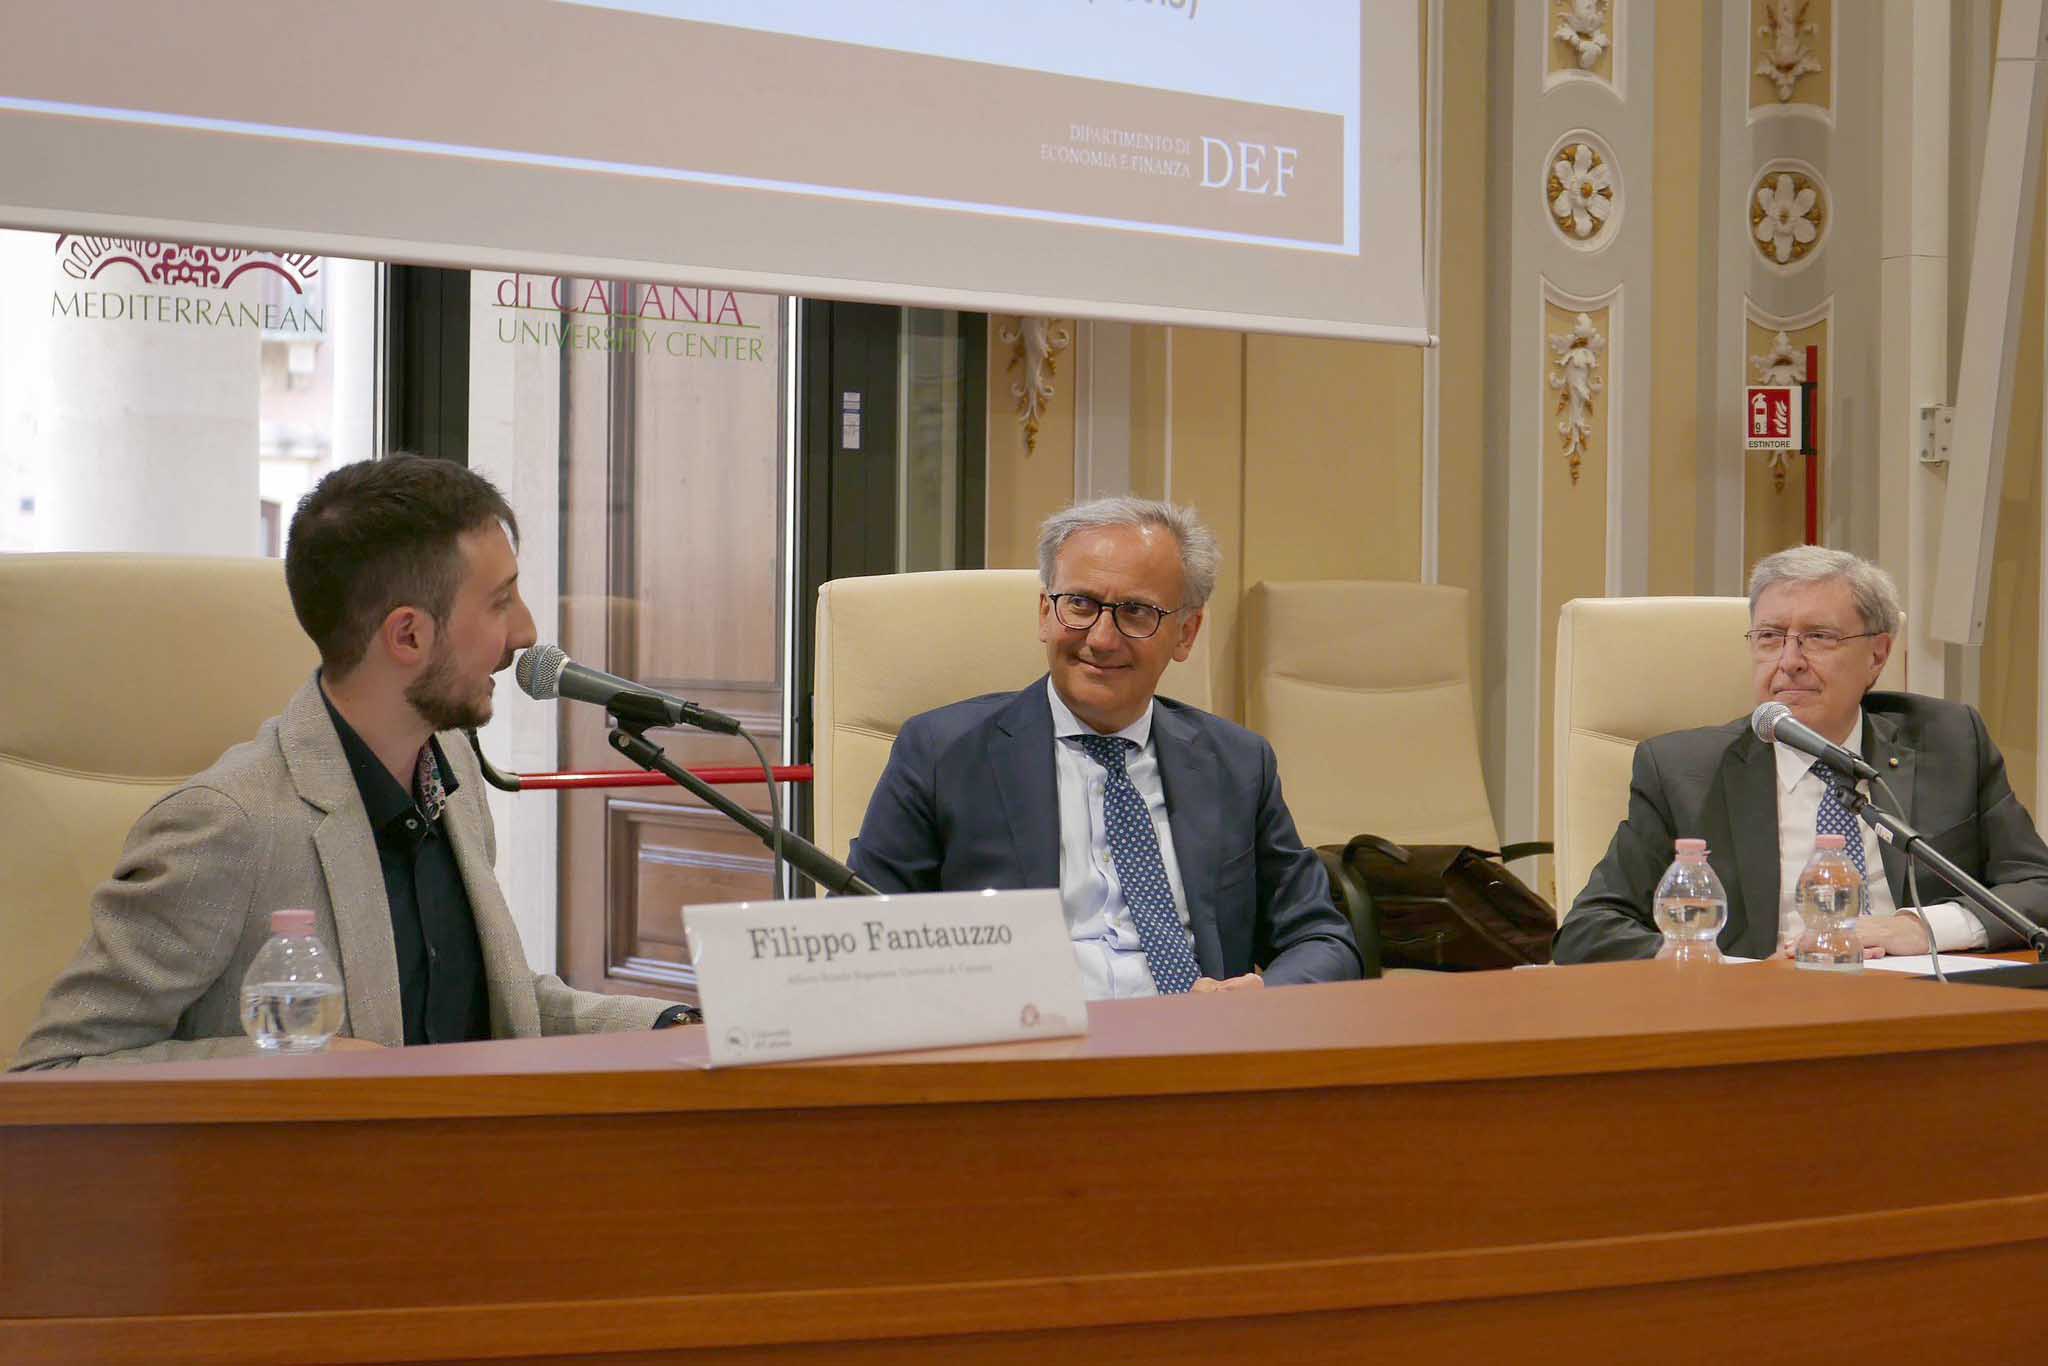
x=278, y=822
x=1719, y=783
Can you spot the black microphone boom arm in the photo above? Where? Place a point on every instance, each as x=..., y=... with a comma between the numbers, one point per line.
x=814, y=863
x=1894, y=830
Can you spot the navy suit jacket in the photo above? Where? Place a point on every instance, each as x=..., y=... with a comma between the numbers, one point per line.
x=970, y=800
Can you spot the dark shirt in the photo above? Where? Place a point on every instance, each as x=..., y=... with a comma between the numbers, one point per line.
x=441, y=984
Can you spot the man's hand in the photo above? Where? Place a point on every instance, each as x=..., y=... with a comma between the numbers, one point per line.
x=1251, y=981
x=1892, y=934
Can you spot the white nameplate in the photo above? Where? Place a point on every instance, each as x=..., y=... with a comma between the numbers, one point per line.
x=817, y=979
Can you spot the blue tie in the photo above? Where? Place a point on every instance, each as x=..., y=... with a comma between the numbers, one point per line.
x=1836, y=819
x=1134, y=844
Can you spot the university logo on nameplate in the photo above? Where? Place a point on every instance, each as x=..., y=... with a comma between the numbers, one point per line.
x=780, y=980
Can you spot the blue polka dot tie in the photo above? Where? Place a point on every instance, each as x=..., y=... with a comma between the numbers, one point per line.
x=1134, y=845
x=1837, y=819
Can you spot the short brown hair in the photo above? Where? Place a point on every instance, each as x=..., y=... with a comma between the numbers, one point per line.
x=378, y=535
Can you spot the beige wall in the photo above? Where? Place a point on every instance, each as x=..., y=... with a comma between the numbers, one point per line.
x=1026, y=484
x=1461, y=320
x=2010, y=669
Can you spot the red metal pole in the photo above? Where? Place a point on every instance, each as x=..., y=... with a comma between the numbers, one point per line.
x=1813, y=445
x=633, y=777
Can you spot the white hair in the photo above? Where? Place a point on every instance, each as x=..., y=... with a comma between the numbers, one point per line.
x=1199, y=557
x=1877, y=597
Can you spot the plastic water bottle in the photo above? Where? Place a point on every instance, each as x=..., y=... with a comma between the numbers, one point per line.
x=1830, y=896
x=291, y=996
x=1691, y=906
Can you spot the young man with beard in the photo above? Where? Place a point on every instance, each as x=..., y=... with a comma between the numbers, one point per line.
x=358, y=802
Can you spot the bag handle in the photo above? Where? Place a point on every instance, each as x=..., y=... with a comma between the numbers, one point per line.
x=1384, y=848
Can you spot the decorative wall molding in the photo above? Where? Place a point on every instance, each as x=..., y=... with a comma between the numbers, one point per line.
x=1034, y=343
x=1787, y=50
x=1575, y=378
x=1784, y=363
x=1790, y=212
x=1582, y=42
x=1582, y=27
x=1583, y=190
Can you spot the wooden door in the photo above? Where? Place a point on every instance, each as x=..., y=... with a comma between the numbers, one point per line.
x=672, y=574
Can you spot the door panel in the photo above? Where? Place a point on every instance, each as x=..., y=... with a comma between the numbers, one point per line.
x=672, y=575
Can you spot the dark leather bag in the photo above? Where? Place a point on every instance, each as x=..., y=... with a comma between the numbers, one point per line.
x=1443, y=906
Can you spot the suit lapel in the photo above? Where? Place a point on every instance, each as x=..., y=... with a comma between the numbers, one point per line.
x=1187, y=772
x=348, y=863
x=515, y=1014
x=1897, y=762
x=1748, y=779
x=1021, y=771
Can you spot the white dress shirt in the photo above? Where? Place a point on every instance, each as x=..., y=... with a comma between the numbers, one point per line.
x=1799, y=796
x=1099, y=922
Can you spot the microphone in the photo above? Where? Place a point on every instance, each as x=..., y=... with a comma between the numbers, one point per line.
x=1773, y=722
x=545, y=673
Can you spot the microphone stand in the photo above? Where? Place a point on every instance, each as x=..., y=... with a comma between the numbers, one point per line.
x=629, y=738
x=1894, y=830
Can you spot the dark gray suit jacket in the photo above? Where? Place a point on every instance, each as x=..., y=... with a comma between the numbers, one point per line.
x=970, y=799
x=1719, y=783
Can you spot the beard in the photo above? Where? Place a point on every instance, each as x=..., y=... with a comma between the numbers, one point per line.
x=438, y=697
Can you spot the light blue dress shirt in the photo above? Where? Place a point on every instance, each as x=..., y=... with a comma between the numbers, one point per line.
x=1098, y=921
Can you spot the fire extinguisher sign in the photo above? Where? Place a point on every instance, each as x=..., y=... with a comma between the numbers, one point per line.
x=1774, y=419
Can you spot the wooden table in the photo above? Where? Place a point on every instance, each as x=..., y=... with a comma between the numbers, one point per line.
x=1620, y=1162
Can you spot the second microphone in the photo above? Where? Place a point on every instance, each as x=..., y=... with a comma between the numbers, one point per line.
x=545, y=672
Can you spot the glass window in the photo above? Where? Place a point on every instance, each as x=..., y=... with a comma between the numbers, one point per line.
x=166, y=397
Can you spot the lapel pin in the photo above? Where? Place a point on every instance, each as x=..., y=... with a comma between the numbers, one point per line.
x=1893, y=762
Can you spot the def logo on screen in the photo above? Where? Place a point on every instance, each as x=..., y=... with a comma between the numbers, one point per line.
x=1247, y=167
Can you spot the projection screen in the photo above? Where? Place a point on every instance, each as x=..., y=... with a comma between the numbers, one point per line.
x=1240, y=163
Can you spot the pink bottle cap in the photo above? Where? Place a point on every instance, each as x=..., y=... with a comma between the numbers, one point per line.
x=1830, y=842
x=1692, y=846
x=291, y=922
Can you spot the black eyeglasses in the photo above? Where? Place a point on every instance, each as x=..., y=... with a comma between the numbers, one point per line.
x=1135, y=620
x=1766, y=641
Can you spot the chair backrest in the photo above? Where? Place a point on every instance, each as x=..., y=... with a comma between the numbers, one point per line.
x=1364, y=690
x=1629, y=669
x=893, y=645
x=126, y=674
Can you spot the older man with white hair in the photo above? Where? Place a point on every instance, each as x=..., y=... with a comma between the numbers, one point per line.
x=1822, y=624
x=1162, y=826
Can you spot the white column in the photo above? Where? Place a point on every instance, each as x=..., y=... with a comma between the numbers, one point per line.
x=352, y=332
x=148, y=428
x=515, y=441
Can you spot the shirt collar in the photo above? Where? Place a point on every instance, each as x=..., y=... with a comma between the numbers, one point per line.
x=1065, y=724
x=383, y=799
x=1794, y=764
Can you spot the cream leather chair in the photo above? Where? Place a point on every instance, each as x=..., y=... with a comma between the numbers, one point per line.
x=1364, y=690
x=1629, y=669
x=126, y=674
x=893, y=645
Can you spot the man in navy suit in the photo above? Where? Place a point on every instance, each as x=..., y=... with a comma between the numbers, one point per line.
x=1162, y=826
